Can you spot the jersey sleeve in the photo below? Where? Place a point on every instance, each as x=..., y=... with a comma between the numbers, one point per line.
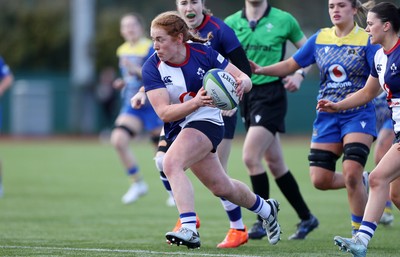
x=151, y=77
x=228, y=39
x=216, y=59
x=305, y=55
x=296, y=34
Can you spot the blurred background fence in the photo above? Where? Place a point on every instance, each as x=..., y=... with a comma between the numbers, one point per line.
x=57, y=50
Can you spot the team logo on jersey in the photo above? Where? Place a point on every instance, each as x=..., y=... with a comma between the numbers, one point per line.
x=167, y=80
x=269, y=27
x=379, y=67
x=393, y=68
x=337, y=73
x=186, y=96
x=351, y=51
x=200, y=72
x=208, y=43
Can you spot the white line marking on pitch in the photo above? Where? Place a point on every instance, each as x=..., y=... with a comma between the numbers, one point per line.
x=191, y=253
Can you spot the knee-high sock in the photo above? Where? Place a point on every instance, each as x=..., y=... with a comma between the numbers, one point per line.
x=260, y=184
x=290, y=189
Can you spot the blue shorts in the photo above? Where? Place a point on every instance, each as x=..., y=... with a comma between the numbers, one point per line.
x=146, y=114
x=387, y=124
x=230, y=126
x=332, y=127
x=214, y=132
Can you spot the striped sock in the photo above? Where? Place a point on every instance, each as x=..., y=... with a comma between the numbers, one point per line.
x=366, y=231
x=234, y=213
x=355, y=223
x=188, y=220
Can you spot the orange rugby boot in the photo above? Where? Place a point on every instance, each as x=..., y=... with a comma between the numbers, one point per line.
x=234, y=238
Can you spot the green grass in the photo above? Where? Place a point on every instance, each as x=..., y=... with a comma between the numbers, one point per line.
x=62, y=198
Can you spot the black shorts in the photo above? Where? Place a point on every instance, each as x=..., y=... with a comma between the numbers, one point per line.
x=265, y=105
x=230, y=126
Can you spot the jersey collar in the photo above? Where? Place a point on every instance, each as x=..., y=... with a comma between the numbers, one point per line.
x=264, y=15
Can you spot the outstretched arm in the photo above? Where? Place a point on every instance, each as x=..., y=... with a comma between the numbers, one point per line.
x=280, y=69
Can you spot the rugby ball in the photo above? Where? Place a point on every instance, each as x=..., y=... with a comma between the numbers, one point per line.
x=221, y=86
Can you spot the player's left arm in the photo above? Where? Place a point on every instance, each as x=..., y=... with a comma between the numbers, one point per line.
x=160, y=100
x=292, y=82
x=239, y=59
x=243, y=81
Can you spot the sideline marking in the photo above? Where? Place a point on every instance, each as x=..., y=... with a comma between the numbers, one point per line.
x=192, y=253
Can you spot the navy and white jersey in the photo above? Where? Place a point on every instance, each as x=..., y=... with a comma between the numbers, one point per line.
x=183, y=81
x=387, y=70
x=224, y=38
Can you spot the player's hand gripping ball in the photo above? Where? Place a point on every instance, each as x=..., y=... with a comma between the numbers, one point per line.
x=221, y=86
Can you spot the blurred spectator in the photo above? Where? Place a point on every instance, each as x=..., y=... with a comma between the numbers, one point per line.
x=107, y=97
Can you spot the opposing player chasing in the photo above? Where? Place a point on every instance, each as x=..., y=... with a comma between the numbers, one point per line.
x=130, y=122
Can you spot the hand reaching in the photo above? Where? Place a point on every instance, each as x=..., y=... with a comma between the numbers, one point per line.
x=138, y=100
x=324, y=105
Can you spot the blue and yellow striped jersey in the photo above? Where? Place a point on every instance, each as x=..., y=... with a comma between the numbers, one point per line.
x=130, y=54
x=344, y=62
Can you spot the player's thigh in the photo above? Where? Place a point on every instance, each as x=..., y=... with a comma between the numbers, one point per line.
x=189, y=147
x=130, y=121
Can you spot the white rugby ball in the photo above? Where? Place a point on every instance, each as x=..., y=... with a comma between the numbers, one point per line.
x=221, y=86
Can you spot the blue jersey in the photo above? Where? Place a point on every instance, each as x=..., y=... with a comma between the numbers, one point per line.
x=224, y=38
x=4, y=69
x=387, y=70
x=183, y=81
x=344, y=63
x=135, y=54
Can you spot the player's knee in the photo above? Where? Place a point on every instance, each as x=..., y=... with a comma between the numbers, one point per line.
x=120, y=137
x=322, y=159
x=163, y=145
x=249, y=160
x=357, y=152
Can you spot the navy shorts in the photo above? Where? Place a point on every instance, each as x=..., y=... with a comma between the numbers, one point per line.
x=213, y=131
x=230, y=126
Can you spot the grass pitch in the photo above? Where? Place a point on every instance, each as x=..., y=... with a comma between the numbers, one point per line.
x=63, y=198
